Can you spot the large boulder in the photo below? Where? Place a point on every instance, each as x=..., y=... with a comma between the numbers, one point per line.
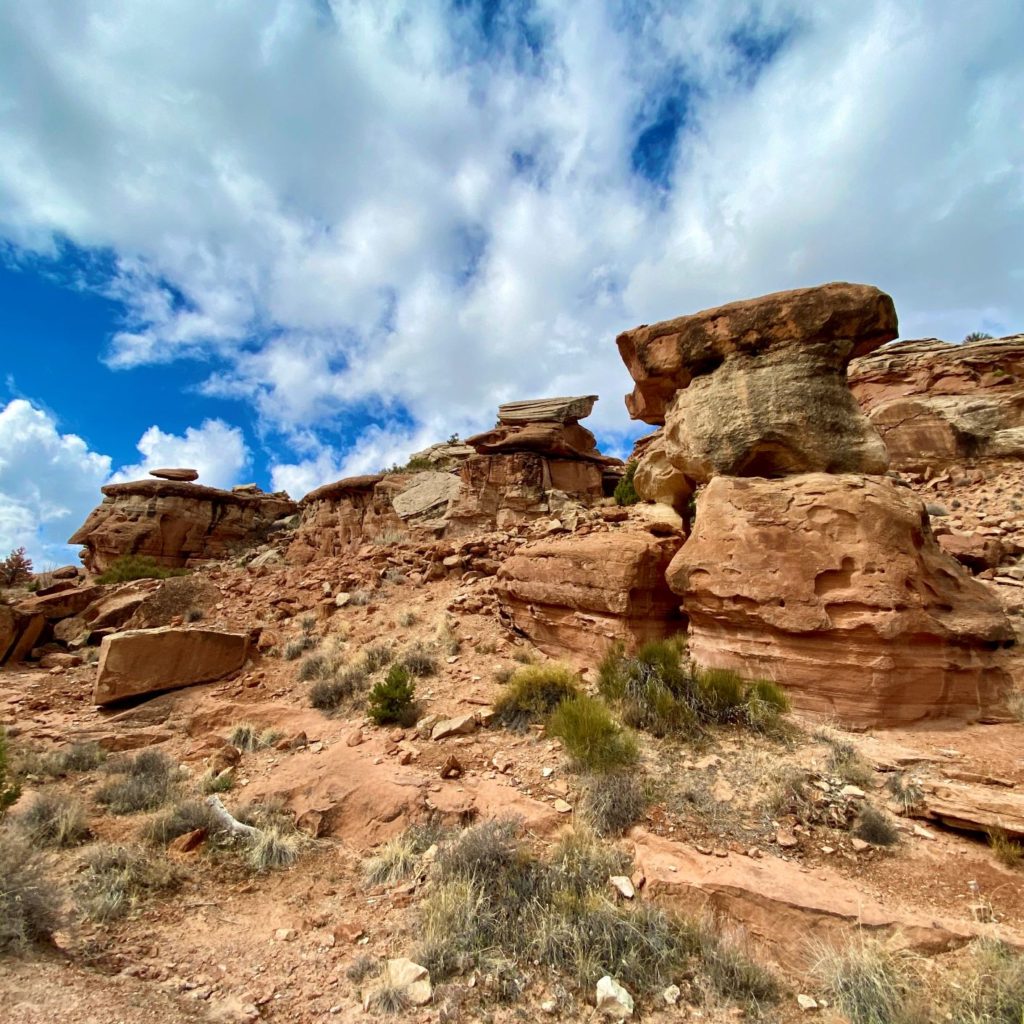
x=758, y=388
x=547, y=410
x=145, y=661
x=173, y=521
x=576, y=596
x=835, y=587
x=426, y=496
x=937, y=404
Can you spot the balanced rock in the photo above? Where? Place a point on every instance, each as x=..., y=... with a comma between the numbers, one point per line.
x=758, y=388
x=171, y=521
x=578, y=595
x=541, y=410
x=938, y=404
x=835, y=587
x=153, y=660
x=184, y=475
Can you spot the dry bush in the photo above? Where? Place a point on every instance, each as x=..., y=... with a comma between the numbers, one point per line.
x=344, y=690
x=249, y=737
x=274, y=847
x=419, y=662
x=533, y=693
x=115, y=879
x=876, y=827
x=179, y=821
x=1005, y=850
x=407, y=619
x=845, y=763
x=55, y=819
x=378, y=656
x=144, y=783
x=991, y=988
x=30, y=902
x=612, y=803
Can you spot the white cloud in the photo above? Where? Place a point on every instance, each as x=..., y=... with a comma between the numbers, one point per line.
x=49, y=482
x=325, y=195
x=216, y=450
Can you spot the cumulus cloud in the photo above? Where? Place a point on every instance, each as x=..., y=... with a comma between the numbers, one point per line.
x=48, y=483
x=411, y=212
x=218, y=451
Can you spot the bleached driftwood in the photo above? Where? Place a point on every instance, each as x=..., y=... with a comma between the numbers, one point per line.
x=232, y=824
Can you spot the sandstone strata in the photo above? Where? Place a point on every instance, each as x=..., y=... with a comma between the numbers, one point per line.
x=756, y=388
x=173, y=522
x=835, y=587
x=145, y=661
x=938, y=404
x=186, y=475
x=578, y=595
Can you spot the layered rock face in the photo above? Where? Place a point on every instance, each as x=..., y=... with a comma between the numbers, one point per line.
x=937, y=404
x=757, y=388
x=835, y=586
x=579, y=595
x=174, y=521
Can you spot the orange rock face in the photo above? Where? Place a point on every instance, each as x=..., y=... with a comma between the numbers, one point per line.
x=171, y=522
x=835, y=587
x=152, y=660
x=936, y=404
x=578, y=595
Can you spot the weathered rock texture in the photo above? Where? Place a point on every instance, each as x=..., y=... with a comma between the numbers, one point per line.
x=547, y=410
x=186, y=475
x=172, y=522
x=835, y=587
x=937, y=404
x=757, y=388
x=578, y=595
x=153, y=660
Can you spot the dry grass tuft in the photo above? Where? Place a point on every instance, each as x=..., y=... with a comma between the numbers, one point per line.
x=144, y=783
x=30, y=902
x=115, y=879
x=55, y=819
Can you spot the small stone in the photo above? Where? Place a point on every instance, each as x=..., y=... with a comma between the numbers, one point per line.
x=562, y=807
x=547, y=772
x=613, y=1000
x=286, y=934
x=852, y=792
x=549, y=1006
x=412, y=978
x=859, y=845
x=923, y=833
x=671, y=995
x=786, y=839
x=452, y=768
x=624, y=886
x=463, y=725
x=354, y=738
x=806, y=1003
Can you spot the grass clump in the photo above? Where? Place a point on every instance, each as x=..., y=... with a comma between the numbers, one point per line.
x=876, y=827
x=844, y=762
x=344, y=689
x=534, y=691
x=249, y=737
x=144, y=783
x=30, y=903
x=378, y=656
x=137, y=567
x=992, y=988
x=316, y=666
x=273, y=848
x=56, y=820
x=625, y=491
x=398, y=858
x=594, y=740
x=115, y=879
x=612, y=803
x=493, y=904
x=10, y=790
x=660, y=692
x=419, y=662
x=393, y=699
x=907, y=793
x=407, y=619
x=217, y=782
x=869, y=984
x=1008, y=852
x=186, y=817
x=389, y=999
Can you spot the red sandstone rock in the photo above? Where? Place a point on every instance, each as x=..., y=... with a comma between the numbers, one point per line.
x=579, y=595
x=835, y=587
x=171, y=522
x=184, y=475
x=153, y=660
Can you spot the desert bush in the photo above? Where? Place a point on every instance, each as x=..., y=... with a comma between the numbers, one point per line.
x=249, y=737
x=844, y=762
x=869, y=983
x=523, y=656
x=144, y=783
x=115, y=879
x=82, y=757
x=503, y=674
x=625, y=492
x=612, y=803
x=274, y=847
x=10, y=790
x=991, y=988
x=407, y=619
x=179, y=821
x=494, y=904
x=419, y=662
x=296, y=648
x=214, y=781
x=397, y=859
x=977, y=336
x=1008, y=852
x=876, y=827
x=137, y=567
x=339, y=691
x=316, y=666
x=30, y=902
x=55, y=819
x=361, y=968
x=194, y=615
x=533, y=692
x=359, y=598
x=378, y=656
x=15, y=568
x=393, y=699
x=594, y=740
x=389, y=999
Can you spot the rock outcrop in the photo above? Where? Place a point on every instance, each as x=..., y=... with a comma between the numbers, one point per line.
x=757, y=388
x=173, y=522
x=186, y=475
x=938, y=404
x=835, y=587
x=578, y=595
x=145, y=661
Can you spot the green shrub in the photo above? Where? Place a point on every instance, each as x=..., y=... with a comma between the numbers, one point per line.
x=55, y=819
x=533, y=692
x=977, y=336
x=594, y=740
x=137, y=567
x=625, y=492
x=29, y=899
x=145, y=783
x=393, y=699
x=115, y=879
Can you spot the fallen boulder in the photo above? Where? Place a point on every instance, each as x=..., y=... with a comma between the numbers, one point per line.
x=145, y=661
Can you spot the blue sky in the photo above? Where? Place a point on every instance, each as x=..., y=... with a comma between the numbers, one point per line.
x=292, y=241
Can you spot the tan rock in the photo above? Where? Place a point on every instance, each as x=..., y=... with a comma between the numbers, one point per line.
x=973, y=808
x=411, y=978
x=171, y=522
x=578, y=595
x=973, y=550
x=8, y=630
x=152, y=660
x=462, y=725
x=556, y=410
x=60, y=605
x=426, y=496
x=835, y=587
x=185, y=475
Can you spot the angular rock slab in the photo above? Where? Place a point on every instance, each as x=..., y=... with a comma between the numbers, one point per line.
x=835, y=587
x=973, y=808
x=758, y=388
x=184, y=475
x=144, y=661
x=538, y=410
x=579, y=595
